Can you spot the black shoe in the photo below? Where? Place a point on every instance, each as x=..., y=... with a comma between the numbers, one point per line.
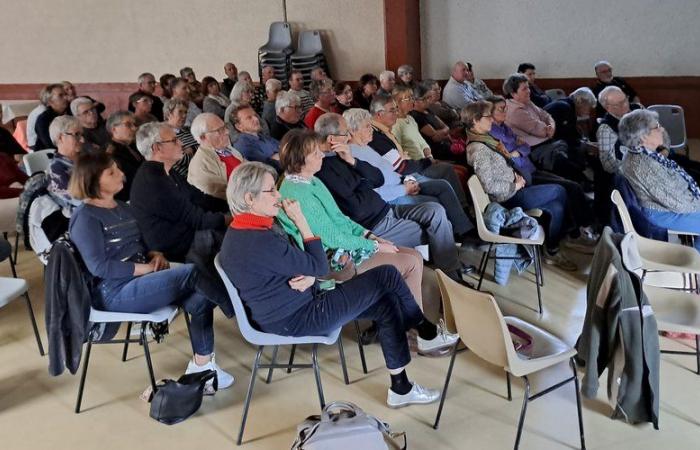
x=460, y=274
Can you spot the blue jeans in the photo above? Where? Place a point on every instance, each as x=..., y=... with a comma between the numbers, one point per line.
x=550, y=198
x=380, y=294
x=675, y=221
x=149, y=292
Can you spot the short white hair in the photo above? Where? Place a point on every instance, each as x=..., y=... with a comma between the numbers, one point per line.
x=605, y=93
x=584, y=95
x=247, y=178
x=238, y=89
x=272, y=85
x=199, y=125
x=61, y=125
x=386, y=75
x=600, y=64
x=147, y=135
x=286, y=99
x=75, y=104
x=355, y=117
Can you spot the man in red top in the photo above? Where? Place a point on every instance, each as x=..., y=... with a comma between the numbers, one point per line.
x=322, y=92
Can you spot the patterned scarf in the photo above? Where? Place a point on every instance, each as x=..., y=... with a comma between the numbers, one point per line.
x=669, y=164
x=491, y=142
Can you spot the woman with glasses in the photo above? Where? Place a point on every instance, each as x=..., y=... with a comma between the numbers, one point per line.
x=67, y=135
x=122, y=128
x=142, y=105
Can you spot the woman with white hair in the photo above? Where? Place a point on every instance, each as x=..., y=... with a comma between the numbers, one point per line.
x=67, y=135
x=668, y=195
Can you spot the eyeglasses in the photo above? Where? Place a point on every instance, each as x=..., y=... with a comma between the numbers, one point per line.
x=295, y=107
x=486, y=116
x=346, y=134
x=270, y=191
x=408, y=99
x=128, y=124
x=220, y=130
x=169, y=141
x=88, y=111
x=76, y=135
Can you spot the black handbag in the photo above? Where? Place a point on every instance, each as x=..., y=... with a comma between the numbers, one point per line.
x=175, y=401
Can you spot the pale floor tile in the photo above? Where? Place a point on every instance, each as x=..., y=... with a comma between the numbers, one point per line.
x=36, y=410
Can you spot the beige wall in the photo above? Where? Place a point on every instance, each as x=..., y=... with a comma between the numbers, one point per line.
x=115, y=40
x=563, y=38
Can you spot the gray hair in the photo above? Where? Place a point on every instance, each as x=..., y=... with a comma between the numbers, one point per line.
x=635, y=125
x=404, y=69
x=171, y=104
x=199, y=126
x=584, y=95
x=386, y=75
x=185, y=70
x=605, y=93
x=116, y=118
x=317, y=85
x=238, y=89
x=512, y=83
x=285, y=99
x=45, y=93
x=379, y=103
x=273, y=84
x=246, y=179
x=60, y=125
x=355, y=117
x=77, y=102
x=145, y=75
x=328, y=124
x=147, y=135
x=601, y=63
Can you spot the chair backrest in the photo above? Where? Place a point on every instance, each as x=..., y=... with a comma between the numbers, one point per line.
x=672, y=118
x=309, y=43
x=38, y=161
x=555, y=94
x=280, y=36
x=627, y=225
x=639, y=222
x=478, y=320
x=481, y=201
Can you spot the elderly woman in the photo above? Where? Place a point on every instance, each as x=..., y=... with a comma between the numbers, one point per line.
x=94, y=131
x=122, y=147
x=368, y=86
x=669, y=197
x=128, y=277
x=67, y=135
x=572, y=116
x=277, y=282
x=343, y=96
x=322, y=92
x=214, y=101
x=435, y=104
x=406, y=129
x=433, y=130
x=505, y=185
x=142, y=104
x=175, y=113
x=405, y=74
x=180, y=89
x=272, y=87
x=241, y=94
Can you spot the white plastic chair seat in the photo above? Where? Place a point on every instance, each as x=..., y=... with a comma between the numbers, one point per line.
x=256, y=337
x=667, y=256
x=38, y=161
x=159, y=315
x=8, y=214
x=675, y=310
x=546, y=351
x=10, y=289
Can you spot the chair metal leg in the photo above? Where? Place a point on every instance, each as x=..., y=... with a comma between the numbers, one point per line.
x=147, y=352
x=317, y=374
x=578, y=405
x=33, y=319
x=83, y=376
x=291, y=358
x=272, y=362
x=510, y=396
x=16, y=245
x=697, y=353
x=343, y=364
x=538, y=279
x=360, y=347
x=523, y=410
x=189, y=331
x=126, y=340
x=483, y=269
x=249, y=394
x=447, y=383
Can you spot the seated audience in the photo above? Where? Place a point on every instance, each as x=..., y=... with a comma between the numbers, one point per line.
x=141, y=105
x=277, y=283
x=669, y=197
x=44, y=97
x=405, y=74
x=164, y=82
x=180, y=89
x=67, y=136
x=252, y=143
x=343, y=96
x=568, y=112
x=505, y=186
x=605, y=78
x=406, y=129
x=215, y=159
x=194, y=86
x=537, y=95
x=56, y=105
x=168, y=210
x=175, y=112
x=367, y=88
x=259, y=96
x=244, y=75
x=457, y=92
x=272, y=87
x=128, y=276
x=288, y=108
x=147, y=86
x=432, y=129
x=615, y=103
x=478, y=85
x=322, y=92
x=122, y=128
x=227, y=83
x=387, y=81
x=214, y=101
x=296, y=85
x=94, y=130
x=438, y=107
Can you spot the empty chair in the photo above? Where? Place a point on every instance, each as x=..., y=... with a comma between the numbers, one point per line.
x=555, y=94
x=484, y=330
x=279, y=39
x=309, y=47
x=672, y=118
x=38, y=161
x=8, y=224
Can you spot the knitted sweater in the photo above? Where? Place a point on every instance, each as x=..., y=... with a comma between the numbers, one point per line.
x=496, y=176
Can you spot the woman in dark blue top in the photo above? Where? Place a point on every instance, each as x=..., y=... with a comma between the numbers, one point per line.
x=129, y=277
x=277, y=283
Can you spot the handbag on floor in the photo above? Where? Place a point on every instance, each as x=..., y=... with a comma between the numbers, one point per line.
x=175, y=401
x=344, y=426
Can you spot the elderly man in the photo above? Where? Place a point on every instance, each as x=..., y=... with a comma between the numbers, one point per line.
x=227, y=83
x=536, y=128
x=405, y=74
x=259, y=96
x=121, y=126
x=253, y=145
x=610, y=150
x=568, y=112
x=318, y=73
x=387, y=81
x=215, y=159
x=605, y=78
x=94, y=130
x=537, y=95
x=56, y=105
x=296, y=85
x=457, y=92
x=478, y=84
x=288, y=108
x=147, y=87
x=352, y=182
x=384, y=114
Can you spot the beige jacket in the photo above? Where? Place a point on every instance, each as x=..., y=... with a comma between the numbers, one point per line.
x=208, y=173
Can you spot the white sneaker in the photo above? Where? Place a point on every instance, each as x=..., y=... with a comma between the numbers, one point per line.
x=418, y=395
x=444, y=339
x=224, y=379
